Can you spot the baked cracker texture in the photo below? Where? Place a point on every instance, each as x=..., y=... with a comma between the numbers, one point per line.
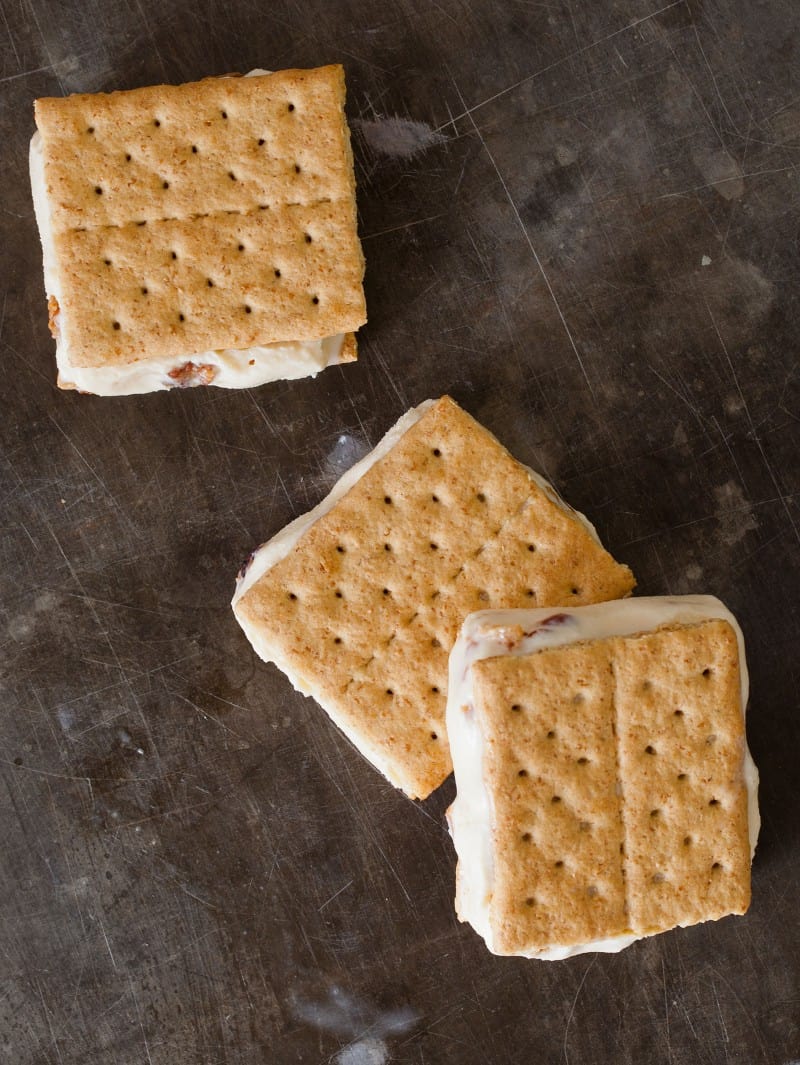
x=615, y=768
x=212, y=215
x=681, y=744
x=552, y=775
x=367, y=605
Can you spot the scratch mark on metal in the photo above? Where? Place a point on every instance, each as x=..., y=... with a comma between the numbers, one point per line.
x=468, y=112
x=756, y=437
x=212, y=717
x=49, y=1020
x=666, y=1007
x=722, y=181
x=108, y=945
x=529, y=242
x=406, y=225
x=197, y=898
x=139, y=1018
x=565, y=1045
x=335, y=895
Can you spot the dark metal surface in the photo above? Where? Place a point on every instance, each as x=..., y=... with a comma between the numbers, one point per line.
x=589, y=236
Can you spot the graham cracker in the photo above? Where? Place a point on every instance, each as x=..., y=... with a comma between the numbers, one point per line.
x=366, y=606
x=680, y=734
x=631, y=815
x=550, y=765
x=217, y=214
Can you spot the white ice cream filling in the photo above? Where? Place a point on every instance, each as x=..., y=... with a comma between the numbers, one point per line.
x=271, y=552
x=494, y=632
x=231, y=368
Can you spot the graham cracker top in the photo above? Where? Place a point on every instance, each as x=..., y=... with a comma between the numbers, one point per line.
x=616, y=773
x=367, y=605
x=216, y=214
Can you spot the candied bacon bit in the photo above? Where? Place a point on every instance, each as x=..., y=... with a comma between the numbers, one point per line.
x=52, y=309
x=189, y=375
x=245, y=566
x=549, y=623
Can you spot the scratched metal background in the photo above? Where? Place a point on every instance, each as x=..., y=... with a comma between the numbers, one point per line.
x=581, y=219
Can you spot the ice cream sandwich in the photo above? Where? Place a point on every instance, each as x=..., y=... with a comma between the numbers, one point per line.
x=360, y=600
x=199, y=234
x=605, y=791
